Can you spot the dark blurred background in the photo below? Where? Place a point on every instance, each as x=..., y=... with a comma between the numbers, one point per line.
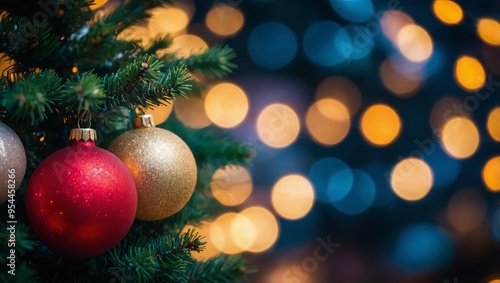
x=376, y=127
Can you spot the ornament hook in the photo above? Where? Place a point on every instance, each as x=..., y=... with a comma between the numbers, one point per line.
x=86, y=117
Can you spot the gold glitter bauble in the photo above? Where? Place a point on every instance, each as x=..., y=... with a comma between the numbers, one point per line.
x=12, y=162
x=162, y=165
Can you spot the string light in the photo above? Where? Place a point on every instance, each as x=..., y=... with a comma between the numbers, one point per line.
x=469, y=73
x=292, y=196
x=224, y=20
x=328, y=121
x=488, y=30
x=278, y=125
x=491, y=174
x=380, y=125
x=414, y=43
x=411, y=179
x=493, y=124
x=448, y=12
x=231, y=185
x=226, y=105
x=460, y=137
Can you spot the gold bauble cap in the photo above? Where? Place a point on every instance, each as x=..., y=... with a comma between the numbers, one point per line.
x=83, y=134
x=143, y=121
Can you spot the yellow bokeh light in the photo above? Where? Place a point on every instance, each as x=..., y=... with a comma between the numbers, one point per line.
x=292, y=197
x=392, y=21
x=161, y=112
x=495, y=281
x=448, y=12
x=341, y=89
x=74, y=70
x=165, y=20
x=488, y=30
x=414, y=43
x=221, y=236
x=466, y=210
x=231, y=185
x=469, y=73
x=491, y=174
x=266, y=228
x=396, y=82
x=380, y=125
x=135, y=33
x=493, y=124
x=185, y=45
x=278, y=125
x=224, y=20
x=243, y=232
x=328, y=121
x=460, y=137
x=98, y=4
x=191, y=112
x=411, y=179
x=203, y=230
x=226, y=105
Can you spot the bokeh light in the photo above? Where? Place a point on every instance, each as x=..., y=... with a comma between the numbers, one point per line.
x=411, y=179
x=191, y=112
x=469, y=73
x=161, y=112
x=491, y=174
x=135, y=33
x=221, y=234
x=327, y=44
x=165, y=20
x=243, y=232
x=448, y=12
x=380, y=125
x=226, y=105
x=414, y=43
x=278, y=125
x=443, y=110
x=351, y=191
x=423, y=247
x=185, y=45
x=292, y=196
x=392, y=21
x=98, y=3
x=224, y=20
x=204, y=231
x=460, y=137
x=231, y=185
x=341, y=89
x=353, y=10
x=272, y=45
x=466, y=210
x=488, y=30
x=320, y=174
x=266, y=228
x=397, y=82
x=493, y=124
x=363, y=41
x=328, y=121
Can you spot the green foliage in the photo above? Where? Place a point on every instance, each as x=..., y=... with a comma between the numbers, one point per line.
x=72, y=65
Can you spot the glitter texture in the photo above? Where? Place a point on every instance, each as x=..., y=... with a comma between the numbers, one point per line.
x=81, y=201
x=12, y=156
x=163, y=167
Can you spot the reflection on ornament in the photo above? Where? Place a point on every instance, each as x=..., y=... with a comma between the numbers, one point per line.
x=12, y=162
x=162, y=165
x=81, y=201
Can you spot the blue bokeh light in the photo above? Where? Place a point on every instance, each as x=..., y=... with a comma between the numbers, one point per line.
x=423, y=247
x=353, y=199
x=362, y=41
x=272, y=45
x=353, y=10
x=327, y=44
x=444, y=168
x=320, y=174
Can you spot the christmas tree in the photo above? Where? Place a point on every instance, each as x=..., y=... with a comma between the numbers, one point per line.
x=70, y=68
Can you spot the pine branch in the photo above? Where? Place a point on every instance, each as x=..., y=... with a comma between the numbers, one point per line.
x=214, y=63
x=220, y=269
x=30, y=98
x=142, y=83
x=29, y=43
x=84, y=93
x=161, y=260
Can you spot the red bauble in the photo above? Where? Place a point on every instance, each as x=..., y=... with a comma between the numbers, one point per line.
x=81, y=200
